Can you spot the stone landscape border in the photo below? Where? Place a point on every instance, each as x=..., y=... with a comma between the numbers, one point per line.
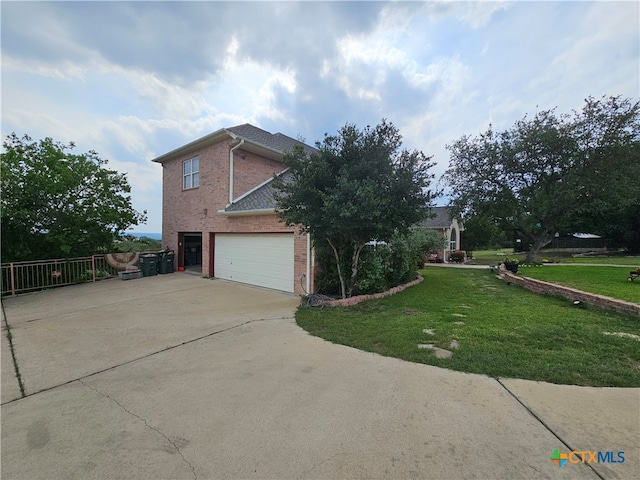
x=345, y=302
x=540, y=287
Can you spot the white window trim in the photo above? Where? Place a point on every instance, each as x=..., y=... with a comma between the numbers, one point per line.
x=191, y=174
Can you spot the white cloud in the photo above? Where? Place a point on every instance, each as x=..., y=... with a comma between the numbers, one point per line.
x=66, y=70
x=438, y=70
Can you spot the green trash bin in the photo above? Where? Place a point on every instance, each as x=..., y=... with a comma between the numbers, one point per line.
x=149, y=264
x=165, y=262
x=170, y=258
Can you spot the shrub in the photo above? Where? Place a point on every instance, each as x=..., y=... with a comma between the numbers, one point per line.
x=382, y=266
x=130, y=243
x=404, y=252
x=457, y=256
x=373, y=270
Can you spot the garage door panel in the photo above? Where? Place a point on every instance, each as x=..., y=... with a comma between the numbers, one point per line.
x=265, y=260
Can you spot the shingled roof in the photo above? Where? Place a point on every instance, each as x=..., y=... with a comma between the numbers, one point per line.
x=260, y=198
x=440, y=217
x=272, y=145
x=275, y=141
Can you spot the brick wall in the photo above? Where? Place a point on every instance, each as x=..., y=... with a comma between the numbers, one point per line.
x=346, y=302
x=250, y=170
x=540, y=287
x=196, y=210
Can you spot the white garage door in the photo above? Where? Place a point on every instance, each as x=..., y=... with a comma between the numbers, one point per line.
x=259, y=259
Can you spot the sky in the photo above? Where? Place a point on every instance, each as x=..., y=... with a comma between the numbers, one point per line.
x=134, y=80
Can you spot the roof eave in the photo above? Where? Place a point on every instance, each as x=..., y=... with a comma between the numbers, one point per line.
x=215, y=137
x=195, y=145
x=244, y=213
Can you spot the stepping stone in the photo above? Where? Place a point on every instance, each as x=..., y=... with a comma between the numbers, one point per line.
x=623, y=335
x=429, y=331
x=458, y=323
x=458, y=314
x=454, y=345
x=440, y=352
x=465, y=306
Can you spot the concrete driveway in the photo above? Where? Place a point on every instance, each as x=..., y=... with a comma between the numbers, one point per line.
x=182, y=377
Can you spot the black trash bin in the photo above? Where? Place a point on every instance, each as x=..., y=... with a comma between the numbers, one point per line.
x=149, y=264
x=159, y=256
x=165, y=261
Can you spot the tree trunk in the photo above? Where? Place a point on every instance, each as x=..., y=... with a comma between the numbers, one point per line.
x=355, y=259
x=342, y=284
x=537, y=244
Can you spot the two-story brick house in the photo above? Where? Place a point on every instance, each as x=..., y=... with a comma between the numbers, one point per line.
x=218, y=210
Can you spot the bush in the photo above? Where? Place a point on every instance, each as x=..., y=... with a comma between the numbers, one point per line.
x=327, y=281
x=382, y=266
x=457, y=256
x=403, y=260
x=130, y=243
x=87, y=276
x=374, y=267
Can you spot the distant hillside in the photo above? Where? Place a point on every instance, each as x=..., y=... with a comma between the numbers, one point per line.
x=154, y=235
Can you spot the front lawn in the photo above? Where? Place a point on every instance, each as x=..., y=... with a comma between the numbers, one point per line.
x=502, y=330
x=609, y=281
x=493, y=257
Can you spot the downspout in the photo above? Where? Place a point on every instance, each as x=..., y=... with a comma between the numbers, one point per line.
x=231, y=170
x=308, y=263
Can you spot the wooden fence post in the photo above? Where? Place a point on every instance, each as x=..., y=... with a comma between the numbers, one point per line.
x=93, y=267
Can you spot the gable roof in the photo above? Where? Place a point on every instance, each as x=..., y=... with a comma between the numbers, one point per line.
x=255, y=139
x=440, y=217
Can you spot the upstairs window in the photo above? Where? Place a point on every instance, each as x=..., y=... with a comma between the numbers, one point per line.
x=190, y=173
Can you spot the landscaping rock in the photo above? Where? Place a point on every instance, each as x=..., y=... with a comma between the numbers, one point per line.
x=454, y=344
x=458, y=323
x=623, y=335
x=429, y=331
x=440, y=352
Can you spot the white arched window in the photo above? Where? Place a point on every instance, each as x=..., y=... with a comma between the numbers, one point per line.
x=452, y=240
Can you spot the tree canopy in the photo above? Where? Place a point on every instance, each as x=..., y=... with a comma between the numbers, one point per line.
x=551, y=172
x=57, y=204
x=359, y=186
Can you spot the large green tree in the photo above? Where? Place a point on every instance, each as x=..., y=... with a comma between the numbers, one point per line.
x=608, y=134
x=360, y=186
x=58, y=204
x=535, y=178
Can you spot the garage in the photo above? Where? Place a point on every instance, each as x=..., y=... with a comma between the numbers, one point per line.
x=262, y=259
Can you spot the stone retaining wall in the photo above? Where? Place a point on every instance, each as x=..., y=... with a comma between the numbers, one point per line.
x=344, y=302
x=540, y=287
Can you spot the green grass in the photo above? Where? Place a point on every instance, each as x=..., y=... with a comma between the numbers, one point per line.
x=609, y=281
x=616, y=260
x=507, y=331
x=492, y=257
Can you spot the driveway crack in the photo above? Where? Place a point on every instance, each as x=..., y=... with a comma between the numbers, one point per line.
x=150, y=427
x=7, y=328
x=151, y=354
x=544, y=424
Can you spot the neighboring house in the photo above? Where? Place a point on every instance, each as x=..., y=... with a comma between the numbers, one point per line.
x=218, y=210
x=443, y=222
